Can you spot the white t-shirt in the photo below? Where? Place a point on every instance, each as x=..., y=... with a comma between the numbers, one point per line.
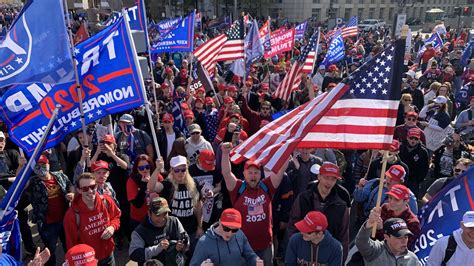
x=462, y=256
x=170, y=138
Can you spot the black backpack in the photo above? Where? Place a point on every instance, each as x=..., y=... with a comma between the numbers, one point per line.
x=450, y=249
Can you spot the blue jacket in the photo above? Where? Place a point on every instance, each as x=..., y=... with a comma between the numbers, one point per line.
x=301, y=252
x=220, y=252
x=368, y=196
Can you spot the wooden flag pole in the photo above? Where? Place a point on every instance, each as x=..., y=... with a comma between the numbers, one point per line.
x=381, y=183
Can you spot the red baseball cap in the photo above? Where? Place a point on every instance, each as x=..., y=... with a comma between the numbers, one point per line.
x=330, y=169
x=332, y=68
x=396, y=172
x=207, y=160
x=80, y=255
x=231, y=217
x=314, y=221
x=185, y=106
x=109, y=138
x=208, y=101
x=188, y=114
x=222, y=87
x=168, y=118
x=97, y=165
x=395, y=146
x=164, y=85
x=228, y=99
x=232, y=89
x=168, y=70
x=251, y=163
x=200, y=90
x=399, y=192
x=413, y=114
x=43, y=159
x=414, y=132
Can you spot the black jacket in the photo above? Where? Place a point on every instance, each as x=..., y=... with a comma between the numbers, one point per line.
x=163, y=140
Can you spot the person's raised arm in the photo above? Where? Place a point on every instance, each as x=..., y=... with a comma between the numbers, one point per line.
x=229, y=177
x=276, y=178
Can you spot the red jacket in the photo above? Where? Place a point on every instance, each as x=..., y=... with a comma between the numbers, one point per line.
x=92, y=224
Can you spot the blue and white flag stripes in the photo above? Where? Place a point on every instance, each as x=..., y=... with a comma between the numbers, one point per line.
x=36, y=49
x=435, y=40
x=336, y=50
x=178, y=117
x=10, y=236
x=467, y=54
x=253, y=45
x=444, y=212
x=178, y=39
x=300, y=30
x=110, y=84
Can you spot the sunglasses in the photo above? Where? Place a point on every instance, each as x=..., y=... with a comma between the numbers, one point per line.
x=144, y=167
x=457, y=170
x=86, y=189
x=413, y=138
x=227, y=229
x=196, y=133
x=265, y=108
x=407, y=100
x=179, y=170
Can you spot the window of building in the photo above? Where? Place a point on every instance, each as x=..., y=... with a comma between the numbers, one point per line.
x=316, y=1
x=382, y=13
x=371, y=12
x=347, y=13
x=316, y=12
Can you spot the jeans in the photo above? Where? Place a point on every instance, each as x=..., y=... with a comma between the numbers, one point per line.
x=49, y=234
x=109, y=261
x=266, y=255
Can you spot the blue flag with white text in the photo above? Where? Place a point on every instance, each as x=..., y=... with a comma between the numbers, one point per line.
x=166, y=25
x=467, y=54
x=300, y=30
x=110, y=84
x=253, y=45
x=178, y=39
x=336, y=50
x=444, y=212
x=136, y=18
x=435, y=41
x=36, y=48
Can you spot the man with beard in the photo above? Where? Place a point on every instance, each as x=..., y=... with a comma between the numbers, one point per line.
x=313, y=245
x=416, y=157
x=401, y=131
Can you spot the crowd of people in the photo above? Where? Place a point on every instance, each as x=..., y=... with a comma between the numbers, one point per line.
x=187, y=203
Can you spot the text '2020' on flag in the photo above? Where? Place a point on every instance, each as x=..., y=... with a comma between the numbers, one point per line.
x=444, y=212
x=110, y=84
x=272, y=145
x=180, y=38
x=36, y=48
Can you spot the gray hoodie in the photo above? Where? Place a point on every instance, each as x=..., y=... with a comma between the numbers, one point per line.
x=229, y=253
x=376, y=253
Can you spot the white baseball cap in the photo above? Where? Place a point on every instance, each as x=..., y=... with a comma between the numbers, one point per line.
x=178, y=160
x=468, y=219
x=441, y=99
x=315, y=169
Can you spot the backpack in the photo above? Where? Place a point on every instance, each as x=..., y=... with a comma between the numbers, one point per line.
x=243, y=186
x=78, y=217
x=450, y=249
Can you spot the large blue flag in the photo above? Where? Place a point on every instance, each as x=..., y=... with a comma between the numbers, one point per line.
x=178, y=116
x=336, y=50
x=467, y=54
x=135, y=16
x=178, y=39
x=444, y=212
x=253, y=45
x=36, y=48
x=110, y=84
x=166, y=25
x=435, y=41
x=300, y=30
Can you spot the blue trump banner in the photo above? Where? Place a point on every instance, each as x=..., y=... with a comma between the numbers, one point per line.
x=179, y=39
x=336, y=51
x=167, y=25
x=444, y=212
x=253, y=45
x=300, y=30
x=36, y=48
x=467, y=53
x=135, y=16
x=110, y=84
x=435, y=41
x=10, y=235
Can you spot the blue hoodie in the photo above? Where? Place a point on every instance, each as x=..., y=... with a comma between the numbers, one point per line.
x=301, y=252
x=229, y=253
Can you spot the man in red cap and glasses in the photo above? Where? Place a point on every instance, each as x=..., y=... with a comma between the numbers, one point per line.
x=330, y=198
x=313, y=245
x=225, y=244
x=415, y=155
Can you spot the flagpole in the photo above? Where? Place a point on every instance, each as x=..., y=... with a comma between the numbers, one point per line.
x=316, y=50
x=32, y=158
x=150, y=65
x=142, y=84
x=78, y=85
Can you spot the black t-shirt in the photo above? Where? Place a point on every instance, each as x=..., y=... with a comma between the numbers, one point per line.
x=181, y=204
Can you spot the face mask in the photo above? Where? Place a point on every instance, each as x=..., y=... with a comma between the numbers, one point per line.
x=41, y=170
x=127, y=129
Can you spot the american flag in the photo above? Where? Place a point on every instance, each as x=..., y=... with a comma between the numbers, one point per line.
x=178, y=116
x=207, y=53
x=233, y=48
x=311, y=49
x=359, y=113
x=351, y=30
x=293, y=79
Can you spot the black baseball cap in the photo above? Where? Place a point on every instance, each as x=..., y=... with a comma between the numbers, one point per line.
x=396, y=227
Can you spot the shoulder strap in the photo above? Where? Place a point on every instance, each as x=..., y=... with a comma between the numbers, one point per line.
x=241, y=189
x=450, y=249
x=263, y=186
x=469, y=114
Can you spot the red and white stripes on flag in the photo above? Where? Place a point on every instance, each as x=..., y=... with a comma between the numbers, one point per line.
x=354, y=124
x=231, y=50
x=273, y=144
x=309, y=62
x=350, y=32
x=208, y=52
x=290, y=82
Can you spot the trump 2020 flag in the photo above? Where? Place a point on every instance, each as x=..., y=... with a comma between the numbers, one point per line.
x=435, y=41
x=253, y=45
x=299, y=30
x=444, y=213
x=110, y=84
x=336, y=50
x=466, y=55
x=36, y=48
x=178, y=39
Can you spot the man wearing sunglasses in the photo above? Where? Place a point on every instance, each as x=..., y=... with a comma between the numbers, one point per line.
x=225, y=244
x=460, y=166
x=92, y=219
x=313, y=245
x=401, y=131
x=195, y=143
x=415, y=155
